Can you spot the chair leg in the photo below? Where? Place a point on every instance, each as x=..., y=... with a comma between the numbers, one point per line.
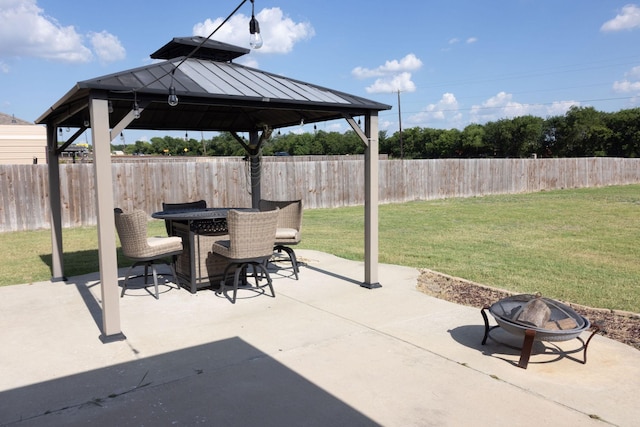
x=236, y=279
x=154, y=273
x=124, y=285
x=237, y=268
x=239, y=273
x=223, y=282
x=261, y=266
x=292, y=257
x=146, y=273
x=155, y=279
x=172, y=265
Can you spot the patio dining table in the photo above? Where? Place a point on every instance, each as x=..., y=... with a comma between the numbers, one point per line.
x=197, y=266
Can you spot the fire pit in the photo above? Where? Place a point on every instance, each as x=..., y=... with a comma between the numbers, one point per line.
x=536, y=319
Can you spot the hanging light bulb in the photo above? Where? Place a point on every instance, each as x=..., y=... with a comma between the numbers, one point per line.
x=110, y=106
x=255, y=39
x=173, y=98
x=136, y=108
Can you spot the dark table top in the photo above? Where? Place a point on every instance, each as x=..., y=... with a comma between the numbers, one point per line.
x=196, y=214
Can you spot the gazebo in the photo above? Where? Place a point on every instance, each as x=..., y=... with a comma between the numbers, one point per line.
x=195, y=86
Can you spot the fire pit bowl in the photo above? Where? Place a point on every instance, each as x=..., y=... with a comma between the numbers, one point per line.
x=536, y=319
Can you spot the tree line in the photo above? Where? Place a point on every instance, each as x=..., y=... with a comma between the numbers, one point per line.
x=580, y=132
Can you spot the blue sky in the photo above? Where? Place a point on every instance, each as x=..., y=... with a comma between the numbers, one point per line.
x=455, y=62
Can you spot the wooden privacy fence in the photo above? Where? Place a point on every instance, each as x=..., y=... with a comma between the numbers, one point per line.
x=24, y=191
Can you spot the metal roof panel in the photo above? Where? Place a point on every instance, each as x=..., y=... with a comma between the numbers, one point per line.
x=213, y=95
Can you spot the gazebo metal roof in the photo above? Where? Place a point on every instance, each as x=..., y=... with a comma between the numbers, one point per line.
x=214, y=94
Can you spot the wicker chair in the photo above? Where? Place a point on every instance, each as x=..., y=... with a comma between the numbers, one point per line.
x=200, y=204
x=289, y=228
x=251, y=239
x=143, y=250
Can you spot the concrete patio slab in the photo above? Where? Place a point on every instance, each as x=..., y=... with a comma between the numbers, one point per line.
x=325, y=351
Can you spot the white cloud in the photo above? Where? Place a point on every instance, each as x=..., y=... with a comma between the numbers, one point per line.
x=409, y=63
x=4, y=68
x=559, y=108
x=627, y=19
x=472, y=40
x=446, y=109
x=248, y=61
x=107, y=47
x=279, y=32
x=626, y=86
x=454, y=40
x=503, y=106
x=392, y=76
x=631, y=84
x=399, y=82
x=634, y=73
x=335, y=127
x=25, y=30
x=386, y=124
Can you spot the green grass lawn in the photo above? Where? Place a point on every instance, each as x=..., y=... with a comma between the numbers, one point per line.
x=581, y=246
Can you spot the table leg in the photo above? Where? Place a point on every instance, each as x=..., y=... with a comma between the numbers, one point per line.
x=192, y=259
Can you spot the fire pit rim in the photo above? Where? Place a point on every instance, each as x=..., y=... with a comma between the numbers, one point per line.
x=542, y=334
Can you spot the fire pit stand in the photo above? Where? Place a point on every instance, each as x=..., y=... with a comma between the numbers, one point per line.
x=536, y=319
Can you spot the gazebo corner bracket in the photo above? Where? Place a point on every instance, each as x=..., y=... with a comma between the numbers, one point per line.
x=356, y=128
x=126, y=120
x=70, y=141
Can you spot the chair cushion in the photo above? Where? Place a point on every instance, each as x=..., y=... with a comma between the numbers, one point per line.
x=165, y=244
x=286, y=233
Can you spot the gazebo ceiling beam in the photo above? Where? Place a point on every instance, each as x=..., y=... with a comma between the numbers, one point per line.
x=71, y=111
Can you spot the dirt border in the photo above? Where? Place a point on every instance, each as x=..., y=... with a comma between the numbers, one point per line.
x=622, y=326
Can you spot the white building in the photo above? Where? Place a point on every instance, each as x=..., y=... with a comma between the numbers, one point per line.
x=21, y=142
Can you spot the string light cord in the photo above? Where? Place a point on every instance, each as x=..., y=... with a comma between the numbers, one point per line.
x=190, y=55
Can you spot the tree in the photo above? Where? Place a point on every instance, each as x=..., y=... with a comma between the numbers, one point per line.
x=472, y=142
x=552, y=136
x=449, y=143
x=582, y=131
x=625, y=133
x=225, y=145
x=527, y=136
x=498, y=137
x=586, y=132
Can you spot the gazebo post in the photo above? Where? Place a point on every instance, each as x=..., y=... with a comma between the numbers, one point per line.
x=57, y=265
x=254, y=167
x=99, y=113
x=371, y=202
